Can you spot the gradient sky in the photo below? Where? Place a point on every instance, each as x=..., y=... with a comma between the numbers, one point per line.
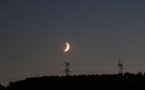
x=33, y=35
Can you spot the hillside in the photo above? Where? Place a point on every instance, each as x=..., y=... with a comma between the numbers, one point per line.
x=90, y=82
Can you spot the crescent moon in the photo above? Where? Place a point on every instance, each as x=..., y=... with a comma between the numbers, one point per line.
x=67, y=47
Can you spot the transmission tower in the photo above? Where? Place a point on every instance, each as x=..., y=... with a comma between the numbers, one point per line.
x=120, y=66
x=67, y=68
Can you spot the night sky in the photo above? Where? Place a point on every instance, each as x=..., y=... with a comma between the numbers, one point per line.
x=33, y=35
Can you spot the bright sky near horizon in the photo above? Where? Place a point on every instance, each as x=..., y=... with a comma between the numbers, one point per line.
x=33, y=35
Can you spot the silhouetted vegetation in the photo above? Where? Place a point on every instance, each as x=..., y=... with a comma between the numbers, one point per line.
x=127, y=81
x=2, y=87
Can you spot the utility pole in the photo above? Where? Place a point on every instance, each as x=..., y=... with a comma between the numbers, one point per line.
x=67, y=68
x=120, y=67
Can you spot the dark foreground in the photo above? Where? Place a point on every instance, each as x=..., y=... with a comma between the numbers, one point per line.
x=88, y=82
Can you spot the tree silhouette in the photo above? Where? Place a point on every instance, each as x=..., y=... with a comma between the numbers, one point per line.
x=127, y=81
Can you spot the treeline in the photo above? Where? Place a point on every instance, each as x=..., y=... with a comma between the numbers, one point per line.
x=127, y=81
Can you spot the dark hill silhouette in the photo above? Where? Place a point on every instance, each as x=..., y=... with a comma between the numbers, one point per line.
x=89, y=82
x=2, y=87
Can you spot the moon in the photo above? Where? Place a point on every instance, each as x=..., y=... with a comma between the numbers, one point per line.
x=67, y=47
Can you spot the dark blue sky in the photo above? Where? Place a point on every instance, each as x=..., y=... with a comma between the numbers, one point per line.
x=33, y=35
